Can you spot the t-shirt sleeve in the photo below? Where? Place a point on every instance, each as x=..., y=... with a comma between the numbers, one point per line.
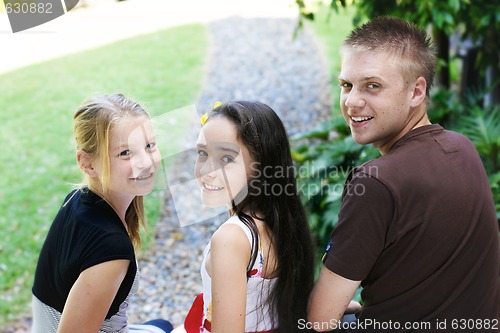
x=101, y=247
x=365, y=218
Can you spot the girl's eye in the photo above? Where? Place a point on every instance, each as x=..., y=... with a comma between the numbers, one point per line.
x=151, y=146
x=202, y=153
x=227, y=159
x=125, y=153
x=373, y=86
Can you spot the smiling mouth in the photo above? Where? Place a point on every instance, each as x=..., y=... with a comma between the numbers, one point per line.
x=211, y=187
x=143, y=177
x=360, y=119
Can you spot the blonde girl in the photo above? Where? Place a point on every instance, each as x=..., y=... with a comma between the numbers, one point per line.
x=87, y=268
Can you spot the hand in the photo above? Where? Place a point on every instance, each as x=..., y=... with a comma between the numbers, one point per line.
x=331, y=298
x=353, y=307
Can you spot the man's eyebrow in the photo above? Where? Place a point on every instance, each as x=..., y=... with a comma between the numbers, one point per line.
x=369, y=78
x=366, y=78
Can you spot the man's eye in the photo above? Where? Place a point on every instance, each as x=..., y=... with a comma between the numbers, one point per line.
x=151, y=146
x=202, y=153
x=373, y=86
x=345, y=85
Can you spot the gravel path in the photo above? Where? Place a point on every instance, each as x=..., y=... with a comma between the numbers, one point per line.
x=250, y=59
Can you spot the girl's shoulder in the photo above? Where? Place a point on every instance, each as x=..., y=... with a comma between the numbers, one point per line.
x=233, y=231
x=230, y=243
x=235, y=220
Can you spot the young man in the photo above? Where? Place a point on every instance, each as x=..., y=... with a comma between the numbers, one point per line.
x=417, y=226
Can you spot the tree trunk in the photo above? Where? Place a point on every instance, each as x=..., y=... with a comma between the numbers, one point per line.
x=443, y=45
x=493, y=78
x=470, y=78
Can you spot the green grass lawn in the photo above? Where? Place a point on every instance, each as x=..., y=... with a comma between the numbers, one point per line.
x=162, y=70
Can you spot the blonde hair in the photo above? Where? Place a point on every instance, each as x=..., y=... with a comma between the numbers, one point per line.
x=92, y=124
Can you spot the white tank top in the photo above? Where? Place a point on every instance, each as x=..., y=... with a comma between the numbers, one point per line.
x=258, y=316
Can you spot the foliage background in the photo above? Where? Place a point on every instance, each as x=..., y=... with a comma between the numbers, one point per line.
x=465, y=97
x=36, y=104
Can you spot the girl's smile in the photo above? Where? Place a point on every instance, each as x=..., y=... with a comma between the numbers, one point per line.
x=134, y=157
x=211, y=188
x=222, y=165
x=144, y=177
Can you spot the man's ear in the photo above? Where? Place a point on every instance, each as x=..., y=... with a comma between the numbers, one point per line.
x=85, y=163
x=419, y=91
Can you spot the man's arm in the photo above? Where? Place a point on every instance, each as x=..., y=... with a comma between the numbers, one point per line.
x=330, y=299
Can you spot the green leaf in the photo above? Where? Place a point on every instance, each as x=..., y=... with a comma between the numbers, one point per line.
x=448, y=18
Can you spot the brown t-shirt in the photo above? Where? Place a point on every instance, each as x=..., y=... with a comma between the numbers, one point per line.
x=418, y=227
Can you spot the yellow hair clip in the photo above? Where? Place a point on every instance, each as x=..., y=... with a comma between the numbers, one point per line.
x=204, y=118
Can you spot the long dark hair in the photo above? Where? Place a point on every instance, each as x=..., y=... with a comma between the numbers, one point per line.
x=272, y=192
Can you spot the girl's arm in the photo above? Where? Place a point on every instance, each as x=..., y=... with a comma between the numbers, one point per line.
x=91, y=296
x=229, y=257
